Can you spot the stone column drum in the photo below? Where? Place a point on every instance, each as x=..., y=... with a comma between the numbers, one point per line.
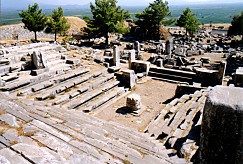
x=134, y=102
x=116, y=56
x=222, y=126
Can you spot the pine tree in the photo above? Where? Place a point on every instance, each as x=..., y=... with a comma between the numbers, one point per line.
x=189, y=21
x=153, y=16
x=107, y=18
x=57, y=23
x=236, y=27
x=33, y=19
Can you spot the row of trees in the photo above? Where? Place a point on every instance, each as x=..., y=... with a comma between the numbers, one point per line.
x=107, y=17
x=34, y=20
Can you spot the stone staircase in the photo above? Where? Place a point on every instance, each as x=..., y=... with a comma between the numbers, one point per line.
x=31, y=133
x=59, y=84
x=171, y=75
x=176, y=124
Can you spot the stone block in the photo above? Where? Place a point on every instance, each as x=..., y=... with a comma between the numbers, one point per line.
x=128, y=78
x=221, y=133
x=238, y=80
x=134, y=102
x=9, y=119
x=140, y=66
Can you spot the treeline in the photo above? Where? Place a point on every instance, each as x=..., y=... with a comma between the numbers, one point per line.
x=107, y=17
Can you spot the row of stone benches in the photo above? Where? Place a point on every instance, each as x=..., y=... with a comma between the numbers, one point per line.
x=177, y=121
x=59, y=135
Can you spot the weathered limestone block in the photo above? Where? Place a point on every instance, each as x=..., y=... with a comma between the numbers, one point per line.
x=134, y=102
x=168, y=47
x=238, y=80
x=9, y=156
x=9, y=119
x=131, y=58
x=222, y=126
x=140, y=66
x=39, y=59
x=37, y=154
x=116, y=56
x=128, y=78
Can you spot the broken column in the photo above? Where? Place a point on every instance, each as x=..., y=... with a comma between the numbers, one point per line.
x=39, y=59
x=137, y=46
x=222, y=68
x=116, y=56
x=222, y=126
x=137, y=49
x=168, y=47
x=134, y=102
x=131, y=58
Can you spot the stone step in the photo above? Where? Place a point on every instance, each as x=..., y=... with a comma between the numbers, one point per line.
x=9, y=156
x=114, y=147
x=61, y=87
x=137, y=142
x=172, y=110
x=104, y=98
x=70, y=75
x=172, y=124
x=17, y=84
x=96, y=86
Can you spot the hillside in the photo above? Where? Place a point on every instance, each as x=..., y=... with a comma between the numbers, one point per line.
x=76, y=24
x=8, y=32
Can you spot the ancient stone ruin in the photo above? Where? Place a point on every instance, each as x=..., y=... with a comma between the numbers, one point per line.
x=172, y=101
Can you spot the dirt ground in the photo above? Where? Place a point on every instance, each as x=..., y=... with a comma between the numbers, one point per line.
x=153, y=95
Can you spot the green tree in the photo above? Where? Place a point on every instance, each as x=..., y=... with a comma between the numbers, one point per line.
x=236, y=27
x=57, y=23
x=189, y=21
x=153, y=17
x=33, y=19
x=107, y=18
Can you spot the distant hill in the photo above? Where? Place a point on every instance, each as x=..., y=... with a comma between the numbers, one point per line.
x=215, y=13
x=14, y=4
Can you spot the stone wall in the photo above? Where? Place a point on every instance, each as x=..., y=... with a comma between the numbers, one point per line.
x=10, y=32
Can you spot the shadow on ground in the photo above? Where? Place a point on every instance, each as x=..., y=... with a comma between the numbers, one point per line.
x=124, y=110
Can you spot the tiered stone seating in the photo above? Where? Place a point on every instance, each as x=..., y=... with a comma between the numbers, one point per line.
x=37, y=134
x=177, y=121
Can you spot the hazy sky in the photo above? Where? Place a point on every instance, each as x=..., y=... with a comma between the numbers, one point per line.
x=131, y=2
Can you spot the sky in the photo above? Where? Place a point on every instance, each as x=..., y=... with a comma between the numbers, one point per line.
x=132, y=2
x=21, y=4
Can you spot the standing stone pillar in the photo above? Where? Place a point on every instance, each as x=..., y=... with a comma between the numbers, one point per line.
x=222, y=127
x=137, y=49
x=131, y=56
x=137, y=46
x=168, y=47
x=116, y=56
x=221, y=73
